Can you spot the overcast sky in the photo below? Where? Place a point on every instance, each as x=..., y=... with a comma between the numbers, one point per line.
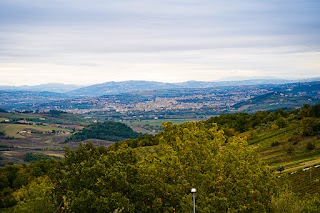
x=87, y=42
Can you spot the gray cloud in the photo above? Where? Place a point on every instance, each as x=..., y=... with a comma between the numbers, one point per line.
x=193, y=35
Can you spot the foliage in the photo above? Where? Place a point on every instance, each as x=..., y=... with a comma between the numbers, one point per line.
x=35, y=197
x=311, y=126
x=287, y=201
x=281, y=122
x=289, y=149
x=295, y=138
x=91, y=180
x=13, y=177
x=109, y=130
x=155, y=173
x=144, y=140
x=56, y=113
x=29, y=157
x=159, y=178
x=242, y=122
x=310, y=145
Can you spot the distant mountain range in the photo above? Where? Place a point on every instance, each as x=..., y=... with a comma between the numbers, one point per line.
x=51, y=87
x=136, y=86
x=108, y=88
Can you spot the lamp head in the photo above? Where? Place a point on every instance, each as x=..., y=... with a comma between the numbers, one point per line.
x=193, y=190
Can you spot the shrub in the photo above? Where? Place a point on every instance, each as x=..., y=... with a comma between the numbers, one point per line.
x=310, y=145
x=295, y=138
x=287, y=201
x=275, y=143
x=290, y=149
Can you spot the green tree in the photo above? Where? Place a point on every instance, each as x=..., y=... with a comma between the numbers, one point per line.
x=228, y=178
x=35, y=197
x=281, y=122
x=287, y=202
x=91, y=180
x=311, y=126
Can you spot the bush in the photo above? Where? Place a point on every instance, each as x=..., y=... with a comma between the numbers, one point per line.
x=274, y=127
x=280, y=168
x=275, y=143
x=310, y=145
x=281, y=122
x=287, y=202
x=290, y=149
x=29, y=157
x=295, y=138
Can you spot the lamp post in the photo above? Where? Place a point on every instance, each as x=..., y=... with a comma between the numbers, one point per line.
x=193, y=191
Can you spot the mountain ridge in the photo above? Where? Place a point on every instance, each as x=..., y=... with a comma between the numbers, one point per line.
x=113, y=87
x=49, y=87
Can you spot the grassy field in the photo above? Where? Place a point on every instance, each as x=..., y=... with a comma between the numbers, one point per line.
x=46, y=135
x=12, y=130
x=44, y=118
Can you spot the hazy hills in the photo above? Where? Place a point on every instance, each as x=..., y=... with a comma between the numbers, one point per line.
x=284, y=96
x=135, y=86
x=223, y=96
x=51, y=87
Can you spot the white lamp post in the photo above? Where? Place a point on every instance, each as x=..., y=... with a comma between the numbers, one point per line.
x=193, y=191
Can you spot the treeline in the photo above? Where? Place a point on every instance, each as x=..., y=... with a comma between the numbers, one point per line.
x=242, y=122
x=109, y=130
x=229, y=177
x=152, y=178
x=30, y=157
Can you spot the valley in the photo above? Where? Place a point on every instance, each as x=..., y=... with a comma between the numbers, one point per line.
x=274, y=128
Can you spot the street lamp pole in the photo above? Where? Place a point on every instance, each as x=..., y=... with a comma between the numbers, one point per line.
x=193, y=191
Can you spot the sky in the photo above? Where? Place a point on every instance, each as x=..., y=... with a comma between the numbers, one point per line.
x=88, y=42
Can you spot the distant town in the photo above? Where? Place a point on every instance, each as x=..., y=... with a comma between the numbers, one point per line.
x=143, y=103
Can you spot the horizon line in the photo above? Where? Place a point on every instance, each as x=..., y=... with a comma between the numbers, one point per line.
x=227, y=79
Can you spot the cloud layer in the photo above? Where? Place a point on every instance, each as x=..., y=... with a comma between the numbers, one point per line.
x=87, y=42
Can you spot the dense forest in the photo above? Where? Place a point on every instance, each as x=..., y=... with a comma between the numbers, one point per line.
x=156, y=173
x=109, y=130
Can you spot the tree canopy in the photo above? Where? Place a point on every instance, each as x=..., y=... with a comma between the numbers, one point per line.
x=109, y=130
x=156, y=173
x=158, y=178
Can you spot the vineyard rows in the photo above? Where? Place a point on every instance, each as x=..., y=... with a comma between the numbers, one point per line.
x=306, y=180
x=281, y=159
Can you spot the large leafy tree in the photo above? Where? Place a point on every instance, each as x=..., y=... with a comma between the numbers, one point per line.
x=90, y=179
x=228, y=176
